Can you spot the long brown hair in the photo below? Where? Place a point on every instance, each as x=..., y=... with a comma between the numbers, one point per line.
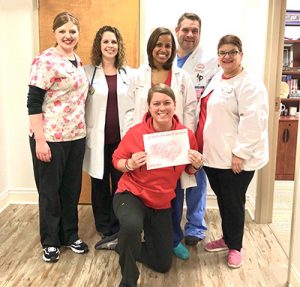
x=152, y=43
x=96, y=54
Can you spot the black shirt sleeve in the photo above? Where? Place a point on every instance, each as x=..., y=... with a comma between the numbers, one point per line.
x=35, y=100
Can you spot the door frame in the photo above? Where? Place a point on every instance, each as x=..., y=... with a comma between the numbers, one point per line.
x=272, y=79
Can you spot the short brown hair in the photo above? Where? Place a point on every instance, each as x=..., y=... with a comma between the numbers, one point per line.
x=231, y=39
x=152, y=43
x=96, y=54
x=190, y=16
x=160, y=88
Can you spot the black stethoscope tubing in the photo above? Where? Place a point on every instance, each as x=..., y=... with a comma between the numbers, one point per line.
x=119, y=71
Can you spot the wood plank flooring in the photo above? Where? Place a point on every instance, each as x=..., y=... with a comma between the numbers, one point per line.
x=21, y=264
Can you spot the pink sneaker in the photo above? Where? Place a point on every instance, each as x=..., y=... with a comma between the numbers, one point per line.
x=217, y=245
x=235, y=258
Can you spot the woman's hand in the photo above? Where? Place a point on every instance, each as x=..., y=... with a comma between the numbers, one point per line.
x=237, y=164
x=42, y=150
x=137, y=160
x=195, y=158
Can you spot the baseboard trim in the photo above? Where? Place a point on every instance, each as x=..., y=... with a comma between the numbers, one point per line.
x=294, y=279
x=18, y=196
x=4, y=200
x=250, y=206
x=30, y=196
x=211, y=203
x=284, y=185
x=25, y=196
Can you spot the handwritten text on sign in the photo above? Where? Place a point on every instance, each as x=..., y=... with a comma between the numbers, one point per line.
x=167, y=148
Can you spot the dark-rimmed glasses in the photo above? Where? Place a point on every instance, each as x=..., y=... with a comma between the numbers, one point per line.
x=231, y=53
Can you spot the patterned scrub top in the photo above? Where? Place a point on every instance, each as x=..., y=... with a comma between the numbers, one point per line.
x=64, y=102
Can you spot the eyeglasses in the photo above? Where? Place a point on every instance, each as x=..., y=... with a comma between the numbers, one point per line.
x=230, y=53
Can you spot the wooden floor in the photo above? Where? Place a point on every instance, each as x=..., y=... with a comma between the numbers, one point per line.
x=21, y=264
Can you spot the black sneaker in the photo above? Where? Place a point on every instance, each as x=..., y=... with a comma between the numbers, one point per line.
x=51, y=254
x=191, y=240
x=79, y=247
x=108, y=242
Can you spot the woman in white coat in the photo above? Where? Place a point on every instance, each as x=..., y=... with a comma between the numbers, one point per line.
x=105, y=108
x=233, y=130
x=161, y=50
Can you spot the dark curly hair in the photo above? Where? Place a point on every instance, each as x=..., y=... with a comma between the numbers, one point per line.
x=96, y=54
x=152, y=43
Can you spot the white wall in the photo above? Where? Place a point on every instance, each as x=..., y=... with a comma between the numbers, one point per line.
x=16, y=24
x=3, y=121
x=246, y=19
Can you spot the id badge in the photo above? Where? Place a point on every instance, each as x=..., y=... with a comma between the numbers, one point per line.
x=199, y=92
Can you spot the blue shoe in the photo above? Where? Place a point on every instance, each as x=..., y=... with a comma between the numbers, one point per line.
x=181, y=252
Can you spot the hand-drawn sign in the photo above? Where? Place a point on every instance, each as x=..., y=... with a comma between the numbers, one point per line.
x=167, y=148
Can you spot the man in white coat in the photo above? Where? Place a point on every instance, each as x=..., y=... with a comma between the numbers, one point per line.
x=201, y=67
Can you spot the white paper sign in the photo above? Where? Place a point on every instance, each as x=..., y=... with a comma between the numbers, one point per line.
x=167, y=148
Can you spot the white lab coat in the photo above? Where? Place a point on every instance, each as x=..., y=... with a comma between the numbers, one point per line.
x=93, y=162
x=182, y=87
x=201, y=66
x=237, y=122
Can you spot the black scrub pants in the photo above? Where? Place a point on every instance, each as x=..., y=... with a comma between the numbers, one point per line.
x=230, y=189
x=103, y=191
x=155, y=251
x=59, y=184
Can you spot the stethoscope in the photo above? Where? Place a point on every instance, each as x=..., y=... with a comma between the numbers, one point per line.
x=124, y=72
x=121, y=71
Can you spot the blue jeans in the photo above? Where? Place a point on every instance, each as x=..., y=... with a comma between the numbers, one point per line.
x=196, y=206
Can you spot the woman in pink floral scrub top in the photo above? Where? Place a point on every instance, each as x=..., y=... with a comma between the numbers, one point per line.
x=56, y=103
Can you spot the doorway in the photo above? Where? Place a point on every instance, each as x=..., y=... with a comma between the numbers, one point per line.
x=287, y=135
